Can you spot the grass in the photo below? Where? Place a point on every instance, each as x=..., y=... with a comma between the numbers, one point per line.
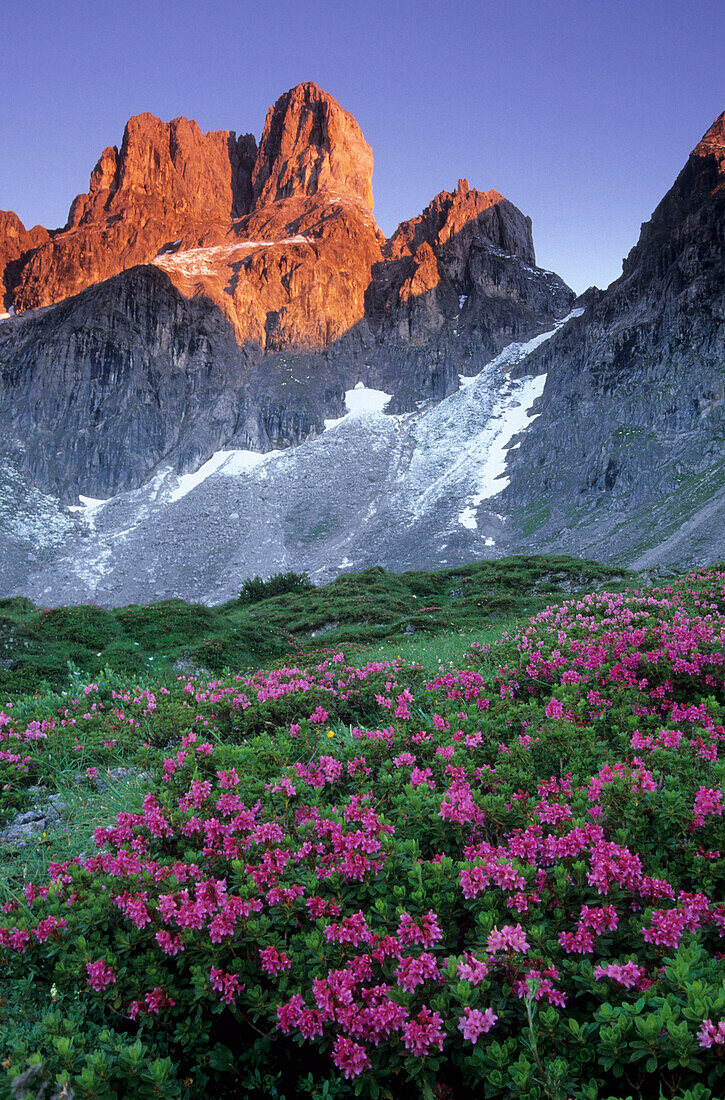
x=370, y=608
x=430, y=618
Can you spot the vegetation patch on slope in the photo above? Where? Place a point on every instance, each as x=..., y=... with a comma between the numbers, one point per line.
x=277, y=616
x=361, y=878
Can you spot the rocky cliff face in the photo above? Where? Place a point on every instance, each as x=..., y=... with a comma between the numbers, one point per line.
x=16, y=245
x=246, y=332
x=311, y=144
x=167, y=179
x=269, y=290
x=630, y=441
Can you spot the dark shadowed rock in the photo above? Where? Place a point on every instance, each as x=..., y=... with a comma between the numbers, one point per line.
x=631, y=434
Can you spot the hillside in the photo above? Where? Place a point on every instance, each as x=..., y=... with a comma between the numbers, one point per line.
x=37, y=643
x=367, y=876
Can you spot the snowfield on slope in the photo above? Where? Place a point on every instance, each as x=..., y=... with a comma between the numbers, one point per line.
x=404, y=491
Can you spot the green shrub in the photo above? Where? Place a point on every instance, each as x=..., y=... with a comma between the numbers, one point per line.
x=255, y=589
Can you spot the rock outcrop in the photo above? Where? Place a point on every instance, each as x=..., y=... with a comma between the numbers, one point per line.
x=310, y=144
x=630, y=439
x=16, y=245
x=268, y=291
x=167, y=179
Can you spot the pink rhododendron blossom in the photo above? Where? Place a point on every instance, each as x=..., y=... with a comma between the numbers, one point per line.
x=227, y=985
x=349, y=1056
x=474, y=1023
x=511, y=937
x=711, y=1034
x=423, y=1032
x=100, y=974
x=273, y=960
x=629, y=974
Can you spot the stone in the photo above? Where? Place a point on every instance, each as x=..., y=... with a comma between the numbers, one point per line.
x=629, y=437
x=16, y=245
x=166, y=178
x=265, y=270
x=311, y=144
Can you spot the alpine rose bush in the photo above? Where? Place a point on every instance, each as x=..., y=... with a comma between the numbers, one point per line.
x=507, y=881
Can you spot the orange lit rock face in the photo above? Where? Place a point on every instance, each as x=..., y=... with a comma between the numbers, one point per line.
x=281, y=238
x=166, y=179
x=291, y=274
x=15, y=243
x=311, y=144
x=485, y=214
x=241, y=292
x=294, y=271
x=713, y=143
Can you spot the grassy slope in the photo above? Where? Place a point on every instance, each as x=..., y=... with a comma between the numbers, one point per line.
x=368, y=608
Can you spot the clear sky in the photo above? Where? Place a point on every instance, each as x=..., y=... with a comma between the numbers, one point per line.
x=581, y=112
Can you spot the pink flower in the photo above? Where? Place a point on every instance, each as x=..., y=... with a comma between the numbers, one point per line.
x=425, y=1031
x=711, y=1034
x=554, y=708
x=170, y=945
x=510, y=938
x=273, y=960
x=474, y=1023
x=708, y=802
x=100, y=974
x=472, y=970
x=412, y=972
x=628, y=974
x=349, y=1056
x=227, y=985
x=426, y=933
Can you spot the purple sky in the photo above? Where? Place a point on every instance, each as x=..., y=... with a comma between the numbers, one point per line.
x=581, y=112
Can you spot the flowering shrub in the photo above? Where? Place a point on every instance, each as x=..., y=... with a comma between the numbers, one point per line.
x=504, y=882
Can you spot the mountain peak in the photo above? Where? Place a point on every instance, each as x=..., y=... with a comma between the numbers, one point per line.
x=484, y=213
x=713, y=142
x=310, y=144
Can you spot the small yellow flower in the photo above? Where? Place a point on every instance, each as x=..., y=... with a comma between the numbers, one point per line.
x=330, y=733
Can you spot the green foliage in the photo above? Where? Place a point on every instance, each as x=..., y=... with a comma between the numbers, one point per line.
x=284, y=615
x=255, y=589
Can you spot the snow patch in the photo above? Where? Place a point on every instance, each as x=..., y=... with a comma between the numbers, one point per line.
x=229, y=463
x=467, y=518
x=362, y=401
x=513, y=418
x=206, y=261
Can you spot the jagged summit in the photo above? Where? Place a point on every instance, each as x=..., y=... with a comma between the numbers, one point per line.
x=208, y=292
x=485, y=214
x=712, y=142
x=311, y=144
x=633, y=425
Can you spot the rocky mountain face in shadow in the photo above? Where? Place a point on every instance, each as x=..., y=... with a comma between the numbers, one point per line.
x=188, y=342
x=630, y=442
x=209, y=293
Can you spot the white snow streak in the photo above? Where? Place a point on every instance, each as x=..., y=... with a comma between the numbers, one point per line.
x=230, y=463
x=206, y=261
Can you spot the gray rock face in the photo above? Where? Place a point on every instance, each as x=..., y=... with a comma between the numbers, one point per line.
x=631, y=437
x=100, y=390
x=606, y=439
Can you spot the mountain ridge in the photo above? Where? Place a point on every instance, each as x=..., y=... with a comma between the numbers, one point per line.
x=512, y=423
x=287, y=276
